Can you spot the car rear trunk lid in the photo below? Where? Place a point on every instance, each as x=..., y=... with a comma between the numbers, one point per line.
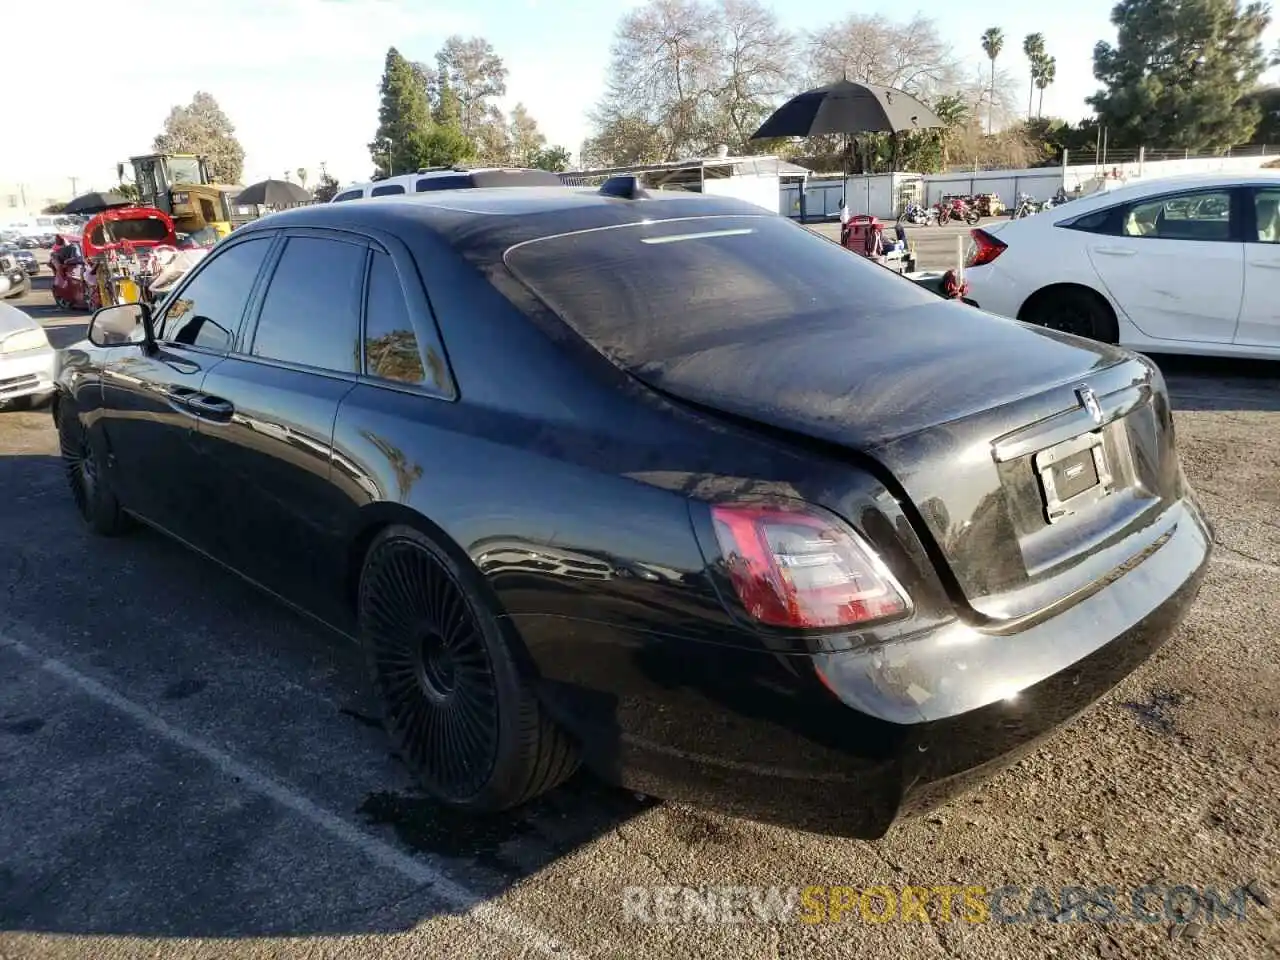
x=1025, y=454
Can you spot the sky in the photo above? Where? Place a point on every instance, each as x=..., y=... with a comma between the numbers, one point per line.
x=299, y=78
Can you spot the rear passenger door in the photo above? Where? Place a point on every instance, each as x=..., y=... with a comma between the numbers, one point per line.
x=1175, y=264
x=279, y=390
x=1260, y=313
x=385, y=435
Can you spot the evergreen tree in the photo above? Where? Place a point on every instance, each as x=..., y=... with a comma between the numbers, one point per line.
x=1179, y=73
x=404, y=140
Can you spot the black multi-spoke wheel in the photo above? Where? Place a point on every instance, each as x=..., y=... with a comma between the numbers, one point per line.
x=90, y=487
x=455, y=704
x=1073, y=310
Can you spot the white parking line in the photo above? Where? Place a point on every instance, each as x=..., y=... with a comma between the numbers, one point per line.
x=418, y=870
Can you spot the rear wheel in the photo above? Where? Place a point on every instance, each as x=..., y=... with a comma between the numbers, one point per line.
x=456, y=705
x=1073, y=310
x=90, y=486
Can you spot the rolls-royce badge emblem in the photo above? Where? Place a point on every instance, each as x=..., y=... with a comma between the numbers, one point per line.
x=1089, y=401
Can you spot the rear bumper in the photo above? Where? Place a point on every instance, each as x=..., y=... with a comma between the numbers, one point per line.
x=758, y=735
x=30, y=374
x=995, y=290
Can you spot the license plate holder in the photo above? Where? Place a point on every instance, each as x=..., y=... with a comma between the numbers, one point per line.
x=1073, y=475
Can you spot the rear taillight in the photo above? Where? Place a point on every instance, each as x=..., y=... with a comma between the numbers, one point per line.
x=983, y=248
x=798, y=566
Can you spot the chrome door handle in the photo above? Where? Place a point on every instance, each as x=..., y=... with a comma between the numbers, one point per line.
x=211, y=408
x=1115, y=251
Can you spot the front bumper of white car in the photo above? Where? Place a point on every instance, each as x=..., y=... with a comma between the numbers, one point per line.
x=31, y=373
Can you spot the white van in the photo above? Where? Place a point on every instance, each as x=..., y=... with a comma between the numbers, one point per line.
x=33, y=226
x=449, y=178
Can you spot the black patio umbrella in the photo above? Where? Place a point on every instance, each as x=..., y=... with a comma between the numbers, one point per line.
x=849, y=108
x=273, y=193
x=96, y=202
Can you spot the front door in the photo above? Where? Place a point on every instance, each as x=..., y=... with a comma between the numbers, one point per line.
x=1177, y=266
x=271, y=450
x=1260, y=312
x=152, y=403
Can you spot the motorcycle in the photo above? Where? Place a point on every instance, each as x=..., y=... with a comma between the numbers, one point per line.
x=918, y=215
x=957, y=208
x=1024, y=206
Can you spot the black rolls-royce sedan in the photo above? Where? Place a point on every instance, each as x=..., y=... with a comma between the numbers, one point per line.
x=658, y=483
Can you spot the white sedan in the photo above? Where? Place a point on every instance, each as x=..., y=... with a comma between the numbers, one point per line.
x=28, y=364
x=1177, y=265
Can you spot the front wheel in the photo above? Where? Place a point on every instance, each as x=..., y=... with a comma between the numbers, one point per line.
x=971, y=218
x=457, y=707
x=90, y=485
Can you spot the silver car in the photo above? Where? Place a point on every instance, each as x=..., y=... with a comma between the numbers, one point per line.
x=28, y=364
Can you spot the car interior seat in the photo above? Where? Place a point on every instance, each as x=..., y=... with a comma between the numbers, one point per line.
x=1268, y=209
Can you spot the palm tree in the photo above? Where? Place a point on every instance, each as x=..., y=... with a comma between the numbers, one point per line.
x=1048, y=69
x=1033, y=47
x=992, y=44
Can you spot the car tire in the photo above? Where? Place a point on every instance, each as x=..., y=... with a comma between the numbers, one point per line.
x=90, y=488
x=457, y=706
x=1073, y=310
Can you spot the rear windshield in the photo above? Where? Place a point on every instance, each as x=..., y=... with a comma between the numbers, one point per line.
x=515, y=178
x=443, y=183
x=653, y=292
x=148, y=230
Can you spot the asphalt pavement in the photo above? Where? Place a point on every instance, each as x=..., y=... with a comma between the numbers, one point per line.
x=188, y=769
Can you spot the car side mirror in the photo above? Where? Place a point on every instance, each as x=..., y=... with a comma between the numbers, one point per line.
x=122, y=324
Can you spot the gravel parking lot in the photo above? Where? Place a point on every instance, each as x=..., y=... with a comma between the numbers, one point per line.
x=189, y=770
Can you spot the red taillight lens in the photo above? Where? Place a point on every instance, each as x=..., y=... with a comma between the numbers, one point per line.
x=983, y=248
x=801, y=567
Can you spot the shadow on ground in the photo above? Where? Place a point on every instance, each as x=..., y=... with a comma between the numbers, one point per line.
x=114, y=825
x=1218, y=383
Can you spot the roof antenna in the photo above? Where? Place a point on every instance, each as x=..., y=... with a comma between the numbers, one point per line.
x=625, y=187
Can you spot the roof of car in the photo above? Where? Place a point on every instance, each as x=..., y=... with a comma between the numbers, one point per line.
x=500, y=217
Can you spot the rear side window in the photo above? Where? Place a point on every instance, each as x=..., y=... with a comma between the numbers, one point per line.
x=207, y=311
x=387, y=190
x=349, y=195
x=443, y=183
x=1100, y=221
x=390, y=346
x=1188, y=216
x=651, y=293
x=311, y=313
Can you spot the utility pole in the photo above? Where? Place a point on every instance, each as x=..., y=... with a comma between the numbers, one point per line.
x=74, y=181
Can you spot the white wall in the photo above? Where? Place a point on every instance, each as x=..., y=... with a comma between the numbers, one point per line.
x=762, y=190
x=876, y=195
x=1043, y=182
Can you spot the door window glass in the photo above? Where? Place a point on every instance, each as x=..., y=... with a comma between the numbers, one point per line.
x=388, y=190
x=390, y=346
x=1266, y=204
x=1188, y=216
x=311, y=313
x=207, y=311
x=348, y=195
